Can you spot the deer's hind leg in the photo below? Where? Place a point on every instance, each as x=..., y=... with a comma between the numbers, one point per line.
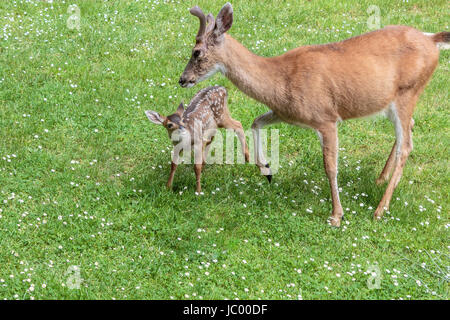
x=389, y=166
x=401, y=116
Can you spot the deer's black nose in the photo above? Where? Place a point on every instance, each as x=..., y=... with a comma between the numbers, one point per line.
x=186, y=82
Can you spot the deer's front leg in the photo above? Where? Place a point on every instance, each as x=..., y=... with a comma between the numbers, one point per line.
x=329, y=140
x=259, y=123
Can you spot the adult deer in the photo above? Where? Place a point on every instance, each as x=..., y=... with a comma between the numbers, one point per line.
x=316, y=86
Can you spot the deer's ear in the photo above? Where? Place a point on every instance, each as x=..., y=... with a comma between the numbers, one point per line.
x=224, y=20
x=180, y=109
x=154, y=117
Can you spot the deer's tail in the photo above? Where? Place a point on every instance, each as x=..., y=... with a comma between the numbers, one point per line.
x=442, y=39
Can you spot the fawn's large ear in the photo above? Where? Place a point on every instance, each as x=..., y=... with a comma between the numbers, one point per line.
x=155, y=117
x=224, y=20
x=180, y=109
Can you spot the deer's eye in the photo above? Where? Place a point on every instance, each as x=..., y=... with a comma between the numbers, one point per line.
x=170, y=126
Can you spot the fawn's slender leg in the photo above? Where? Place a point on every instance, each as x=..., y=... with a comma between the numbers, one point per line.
x=206, y=148
x=172, y=173
x=329, y=139
x=403, y=130
x=241, y=135
x=261, y=121
x=199, y=148
x=230, y=123
x=173, y=166
x=198, y=174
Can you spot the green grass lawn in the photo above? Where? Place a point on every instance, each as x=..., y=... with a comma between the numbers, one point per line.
x=83, y=172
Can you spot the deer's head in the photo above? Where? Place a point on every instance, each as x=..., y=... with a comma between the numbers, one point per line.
x=205, y=59
x=172, y=122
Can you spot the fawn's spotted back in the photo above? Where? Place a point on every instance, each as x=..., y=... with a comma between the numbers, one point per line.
x=209, y=107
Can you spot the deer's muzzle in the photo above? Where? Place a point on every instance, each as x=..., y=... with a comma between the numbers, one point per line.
x=186, y=82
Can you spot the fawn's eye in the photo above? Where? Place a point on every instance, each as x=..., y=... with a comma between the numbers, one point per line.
x=196, y=53
x=170, y=126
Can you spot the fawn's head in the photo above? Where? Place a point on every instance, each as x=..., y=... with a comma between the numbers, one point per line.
x=205, y=61
x=171, y=123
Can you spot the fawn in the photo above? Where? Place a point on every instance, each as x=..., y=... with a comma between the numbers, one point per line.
x=206, y=112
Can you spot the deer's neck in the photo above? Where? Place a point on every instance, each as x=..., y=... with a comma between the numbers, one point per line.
x=256, y=76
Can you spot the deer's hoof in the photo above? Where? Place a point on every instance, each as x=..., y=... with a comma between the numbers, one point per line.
x=378, y=215
x=380, y=211
x=265, y=171
x=335, y=222
x=269, y=175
